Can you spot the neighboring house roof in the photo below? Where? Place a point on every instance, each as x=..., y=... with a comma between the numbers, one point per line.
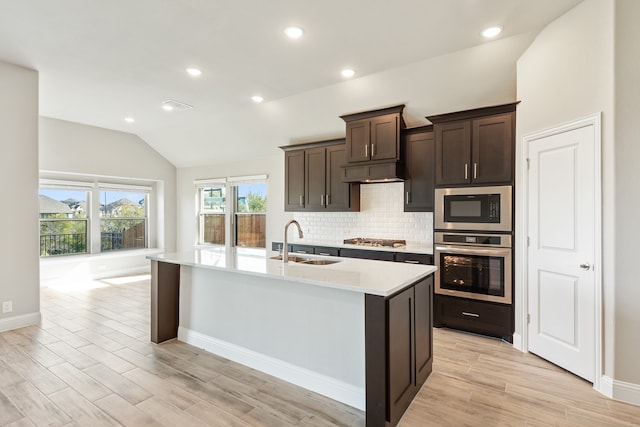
x=52, y=206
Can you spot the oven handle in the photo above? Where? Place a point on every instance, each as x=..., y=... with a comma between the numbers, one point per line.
x=474, y=251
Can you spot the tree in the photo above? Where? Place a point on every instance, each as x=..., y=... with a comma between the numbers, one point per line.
x=256, y=202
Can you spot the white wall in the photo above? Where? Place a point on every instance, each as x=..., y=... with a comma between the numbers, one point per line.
x=76, y=152
x=567, y=74
x=19, y=173
x=627, y=178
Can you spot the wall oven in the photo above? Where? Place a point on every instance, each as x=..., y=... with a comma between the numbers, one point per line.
x=474, y=265
x=474, y=208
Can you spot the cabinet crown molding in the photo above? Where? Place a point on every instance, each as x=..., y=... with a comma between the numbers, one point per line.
x=313, y=144
x=373, y=113
x=473, y=113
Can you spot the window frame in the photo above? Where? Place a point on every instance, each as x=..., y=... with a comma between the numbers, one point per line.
x=230, y=184
x=93, y=219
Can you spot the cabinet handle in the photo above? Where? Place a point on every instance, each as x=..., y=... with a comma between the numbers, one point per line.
x=301, y=251
x=466, y=313
x=327, y=199
x=475, y=170
x=366, y=150
x=322, y=200
x=301, y=200
x=373, y=149
x=407, y=198
x=411, y=261
x=324, y=253
x=466, y=171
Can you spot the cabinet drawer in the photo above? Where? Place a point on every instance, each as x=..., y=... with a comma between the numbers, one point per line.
x=302, y=249
x=414, y=258
x=326, y=250
x=473, y=316
x=359, y=253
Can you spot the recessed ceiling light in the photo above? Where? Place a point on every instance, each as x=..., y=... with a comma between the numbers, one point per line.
x=347, y=73
x=257, y=99
x=491, y=32
x=167, y=107
x=293, y=32
x=194, y=72
x=129, y=119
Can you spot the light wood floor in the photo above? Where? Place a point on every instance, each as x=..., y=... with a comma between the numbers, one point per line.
x=90, y=363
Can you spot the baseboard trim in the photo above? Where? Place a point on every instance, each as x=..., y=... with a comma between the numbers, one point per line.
x=517, y=342
x=21, y=321
x=321, y=384
x=620, y=390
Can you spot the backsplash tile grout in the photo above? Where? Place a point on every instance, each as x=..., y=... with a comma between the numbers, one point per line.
x=381, y=216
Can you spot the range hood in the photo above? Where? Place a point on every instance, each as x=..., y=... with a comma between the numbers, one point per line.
x=372, y=173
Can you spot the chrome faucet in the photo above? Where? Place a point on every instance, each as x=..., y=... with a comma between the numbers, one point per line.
x=285, y=249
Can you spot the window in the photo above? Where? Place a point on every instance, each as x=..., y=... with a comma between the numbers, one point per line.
x=88, y=217
x=64, y=226
x=242, y=222
x=123, y=220
x=251, y=215
x=212, y=215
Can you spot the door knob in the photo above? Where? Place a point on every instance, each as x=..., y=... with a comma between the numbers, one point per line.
x=585, y=266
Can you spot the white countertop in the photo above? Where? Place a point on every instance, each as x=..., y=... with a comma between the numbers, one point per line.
x=358, y=275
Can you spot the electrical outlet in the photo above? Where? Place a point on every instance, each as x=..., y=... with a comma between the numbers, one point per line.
x=7, y=306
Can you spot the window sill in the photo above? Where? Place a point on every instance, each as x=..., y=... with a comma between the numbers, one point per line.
x=102, y=255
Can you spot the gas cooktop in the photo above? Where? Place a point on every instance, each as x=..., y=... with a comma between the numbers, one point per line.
x=365, y=241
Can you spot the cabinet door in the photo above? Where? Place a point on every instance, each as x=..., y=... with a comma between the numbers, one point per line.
x=424, y=328
x=453, y=153
x=358, y=137
x=419, y=180
x=294, y=180
x=385, y=136
x=492, y=149
x=401, y=368
x=314, y=178
x=366, y=254
x=338, y=195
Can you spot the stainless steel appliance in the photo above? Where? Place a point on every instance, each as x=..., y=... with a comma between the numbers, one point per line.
x=474, y=208
x=474, y=265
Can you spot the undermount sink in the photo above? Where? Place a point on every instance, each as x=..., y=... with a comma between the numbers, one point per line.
x=292, y=258
x=319, y=261
x=309, y=261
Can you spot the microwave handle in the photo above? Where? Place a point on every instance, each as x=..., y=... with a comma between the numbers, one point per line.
x=474, y=251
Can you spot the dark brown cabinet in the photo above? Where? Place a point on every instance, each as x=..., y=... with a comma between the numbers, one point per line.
x=374, y=139
x=365, y=254
x=313, y=181
x=294, y=180
x=419, y=175
x=475, y=146
x=393, y=380
x=481, y=317
x=411, y=258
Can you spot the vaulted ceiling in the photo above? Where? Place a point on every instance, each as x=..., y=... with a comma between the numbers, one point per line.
x=102, y=61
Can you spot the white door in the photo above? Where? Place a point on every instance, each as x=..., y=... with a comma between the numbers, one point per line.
x=561, y=253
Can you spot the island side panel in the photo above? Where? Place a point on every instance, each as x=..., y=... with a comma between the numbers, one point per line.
x=315, y=328
x=165, y=291
x=376, y=360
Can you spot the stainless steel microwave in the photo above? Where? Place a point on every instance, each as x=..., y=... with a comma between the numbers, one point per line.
x=474, y=208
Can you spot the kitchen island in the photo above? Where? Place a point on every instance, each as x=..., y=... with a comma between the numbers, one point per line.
x=358, y=331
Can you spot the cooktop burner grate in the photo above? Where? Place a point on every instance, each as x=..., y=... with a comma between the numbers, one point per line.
x=366, y=241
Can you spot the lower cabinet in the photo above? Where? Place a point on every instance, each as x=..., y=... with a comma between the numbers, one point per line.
x=399, y=350
x=482, y=317
x=365, y=254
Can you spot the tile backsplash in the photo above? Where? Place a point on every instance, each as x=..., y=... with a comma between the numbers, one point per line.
x=381, y=216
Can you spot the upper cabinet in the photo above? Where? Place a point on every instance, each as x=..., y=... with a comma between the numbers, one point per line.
x=475, y=146
x=419, y=176
x=313, y=178
x=373, y=138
